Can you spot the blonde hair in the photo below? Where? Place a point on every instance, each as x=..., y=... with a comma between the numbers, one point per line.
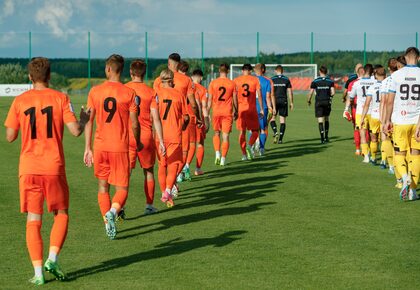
x=166, y=75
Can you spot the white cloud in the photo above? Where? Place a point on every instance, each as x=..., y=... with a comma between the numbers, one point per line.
x=55, y=14
x=7, y=9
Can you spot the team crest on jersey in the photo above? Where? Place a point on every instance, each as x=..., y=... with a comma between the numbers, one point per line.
x=71, y=108
x=137, y=100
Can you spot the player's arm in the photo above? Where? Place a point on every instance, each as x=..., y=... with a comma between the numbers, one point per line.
x=88, y=155
x=311, y=93
x=77, y=128
x=157, y=124
x=205, y=112
x=418, y=130
x=259, y=98
x=382, y=107
x=12, y=123
x=135, y=126
x=345, y=93
x=389, y=108
x=290, y=94
x=332, y=91
x=11, y=134
x=235, y=105
x=273, y=98
x=185, y=117
x=268, y=100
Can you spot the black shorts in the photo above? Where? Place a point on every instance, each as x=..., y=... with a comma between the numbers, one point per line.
x=322, y=109
x=282, y=108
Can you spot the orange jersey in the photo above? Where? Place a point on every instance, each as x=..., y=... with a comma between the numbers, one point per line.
x=147, y=102
x=247, y=87
x=112, y=102
x=200, y=95
x=183, y=84
x=40, y=115
x=222, y=90
x=172, y=107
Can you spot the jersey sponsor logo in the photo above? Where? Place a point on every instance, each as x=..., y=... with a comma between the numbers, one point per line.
x=403, y=113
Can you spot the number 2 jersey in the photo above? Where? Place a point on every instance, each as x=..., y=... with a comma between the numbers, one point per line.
x=113, y=102
x=359, y=90
x=40, y=115
x=222, y=90
x=405, y=83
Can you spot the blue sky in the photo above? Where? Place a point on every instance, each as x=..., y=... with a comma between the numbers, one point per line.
x=59, y=27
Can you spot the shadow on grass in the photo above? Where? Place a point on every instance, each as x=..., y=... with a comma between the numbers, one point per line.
x=170, y=248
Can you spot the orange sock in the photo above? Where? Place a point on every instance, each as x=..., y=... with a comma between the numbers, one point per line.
x=225, y=148
x=253, y=138
x=200, y=156
x=162, y=177
x=191, y=153
x=104, y=201
x=242, y=142
x=34, y=242
x=216, y=142
x=149, y=190
x=59, y=232
x=172, y=174
x=120, y=197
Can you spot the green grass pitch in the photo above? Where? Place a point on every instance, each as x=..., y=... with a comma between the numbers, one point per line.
x=307, y=216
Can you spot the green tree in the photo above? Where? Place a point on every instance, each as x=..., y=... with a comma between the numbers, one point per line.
x=13, y=74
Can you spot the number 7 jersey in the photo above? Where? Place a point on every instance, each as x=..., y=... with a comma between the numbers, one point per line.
x=405, y=83
x=40, y=115
x=112, y=102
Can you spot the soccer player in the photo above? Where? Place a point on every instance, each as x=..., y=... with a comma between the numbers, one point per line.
x=282, y=91
x=359, y=90
x=351, y=78
x=324, y=88
x=113, y=105
x=249, y=91
x=350, y=109
x=372, y=104
x=40, y=114
x=148, y=118
x=174, y=116
x=201, y=97
x=265, y=85
x=402, y=113
x=224, y=101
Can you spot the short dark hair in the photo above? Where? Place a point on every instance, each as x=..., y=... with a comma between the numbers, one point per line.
x=224, y=68
x=412, y=51
x=39, y=69
x=280, y=68
x=261, y=67
x=323, y=69
x=368, y=69
x=183, y=66
x=138, y=68
x=116, y=62
x=247, y=67
x=392, y=64
x=198, y=72
x=401, y=59
x=380, y=71
x=175, y=57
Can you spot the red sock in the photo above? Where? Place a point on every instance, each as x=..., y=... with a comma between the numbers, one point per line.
x=149, y=190
x=254, y=137
x=191, y=153
x=225, y=148
x=34, y=241
x=162, y=177
x=200, y=156
x=120, y=197
x=59, y=231
x=104, y=201
x=216, y=142
x=357, y=139
x=242, y=142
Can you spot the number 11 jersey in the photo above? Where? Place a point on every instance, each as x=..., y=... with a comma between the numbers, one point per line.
x=112, y=102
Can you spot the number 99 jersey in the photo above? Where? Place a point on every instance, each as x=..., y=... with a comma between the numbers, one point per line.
x=405, y=83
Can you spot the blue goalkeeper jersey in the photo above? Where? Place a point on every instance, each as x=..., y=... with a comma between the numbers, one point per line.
x=265, y=88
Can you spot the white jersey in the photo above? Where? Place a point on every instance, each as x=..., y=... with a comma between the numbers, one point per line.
x=374, y=92
x=360, y=89
x=405, y=83
x=385, y=86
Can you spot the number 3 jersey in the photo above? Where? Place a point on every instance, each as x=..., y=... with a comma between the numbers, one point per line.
x=40, y=115
x=359, y=90
x=405, y=83
x=247, y=88
x=112, y=102
x=172, y=107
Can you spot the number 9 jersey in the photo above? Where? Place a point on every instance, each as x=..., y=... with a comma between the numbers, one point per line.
x=112, y=102
x=405, y=83
x=40, y=115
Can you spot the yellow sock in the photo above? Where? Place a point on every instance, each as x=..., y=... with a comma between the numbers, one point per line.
x=373, y=149
x=400, y=164
x=414, y=168
x=397, y=172
x=365, y=148
x=389, y=151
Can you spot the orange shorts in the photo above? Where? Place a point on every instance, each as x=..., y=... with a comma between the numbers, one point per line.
x=173, y=154
x=223, y=123
x=248, y=120
x=35, y=188
x=113, y=167
x=147, y=156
